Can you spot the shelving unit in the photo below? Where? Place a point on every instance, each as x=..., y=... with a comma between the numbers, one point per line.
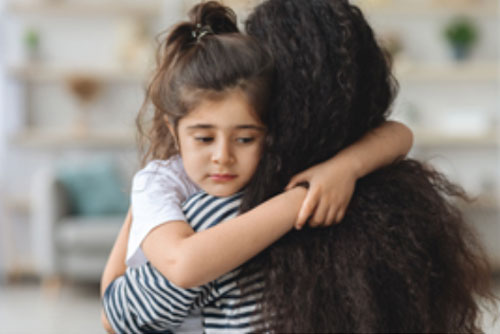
x=34, y=74
x=430, y=8
x=106, y=8
x=43, y=87
x=44, y=74
x=435, y=139
x=447, y=72
x=428, y=81
x=59, y=140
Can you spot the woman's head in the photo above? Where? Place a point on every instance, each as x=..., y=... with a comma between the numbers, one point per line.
x=201, y=64
x=332, y=83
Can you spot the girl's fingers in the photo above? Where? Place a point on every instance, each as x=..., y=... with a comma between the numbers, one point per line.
x=306, y=209
x=294, y=180
x=340, y=216
x=331, y=217
x=319, y=214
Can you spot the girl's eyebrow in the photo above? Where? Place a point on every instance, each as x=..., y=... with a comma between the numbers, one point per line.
x=201, y=126
x=251, y=126
x=242, y=126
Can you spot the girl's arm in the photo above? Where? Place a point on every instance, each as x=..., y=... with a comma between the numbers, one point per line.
x=331, y=183
x=190, y=259
x=115, y=266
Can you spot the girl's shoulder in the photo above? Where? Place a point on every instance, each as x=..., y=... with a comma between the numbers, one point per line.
x=172, y=165
x=167, y=173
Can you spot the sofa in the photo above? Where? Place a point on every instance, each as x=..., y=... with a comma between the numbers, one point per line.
x=67, y=243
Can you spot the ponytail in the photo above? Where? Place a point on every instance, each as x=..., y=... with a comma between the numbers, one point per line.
x=220, y=19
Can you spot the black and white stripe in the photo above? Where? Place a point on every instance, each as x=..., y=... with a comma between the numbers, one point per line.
x=143, y=301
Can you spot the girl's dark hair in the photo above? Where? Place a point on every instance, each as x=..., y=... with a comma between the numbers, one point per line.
x=403, y=259
x=204, y=57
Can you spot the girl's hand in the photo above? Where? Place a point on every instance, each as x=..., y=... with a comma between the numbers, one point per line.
x=331, y=185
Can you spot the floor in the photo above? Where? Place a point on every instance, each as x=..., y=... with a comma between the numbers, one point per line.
x=26, y=308
x=75, y=309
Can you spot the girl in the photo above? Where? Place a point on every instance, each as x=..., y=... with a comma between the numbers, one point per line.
x=403, y=260
x=209, y=76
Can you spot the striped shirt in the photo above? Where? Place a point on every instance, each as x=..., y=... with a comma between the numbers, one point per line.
x=143, y=301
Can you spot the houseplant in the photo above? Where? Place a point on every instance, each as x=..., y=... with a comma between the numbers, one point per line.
x=461, y=34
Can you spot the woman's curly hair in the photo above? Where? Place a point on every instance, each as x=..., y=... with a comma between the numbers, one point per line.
x=403, y=259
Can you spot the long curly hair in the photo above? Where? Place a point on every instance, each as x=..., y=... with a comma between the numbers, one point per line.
x=403, y=259
x=203, y=57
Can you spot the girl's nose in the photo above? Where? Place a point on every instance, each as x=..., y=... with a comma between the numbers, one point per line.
x=222, y=153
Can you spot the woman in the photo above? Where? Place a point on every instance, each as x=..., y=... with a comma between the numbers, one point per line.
x=403, y=259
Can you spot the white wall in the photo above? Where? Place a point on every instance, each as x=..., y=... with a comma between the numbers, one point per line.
x=2, y=128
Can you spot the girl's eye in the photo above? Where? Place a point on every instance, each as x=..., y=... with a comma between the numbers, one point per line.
x=204, y=139
x=245, y=140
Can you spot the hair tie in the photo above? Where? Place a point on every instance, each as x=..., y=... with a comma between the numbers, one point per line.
x=201, y=31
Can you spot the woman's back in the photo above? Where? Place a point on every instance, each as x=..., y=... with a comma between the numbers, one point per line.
x=402, y=260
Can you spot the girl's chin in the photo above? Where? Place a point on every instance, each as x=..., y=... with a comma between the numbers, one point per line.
x=221, y=191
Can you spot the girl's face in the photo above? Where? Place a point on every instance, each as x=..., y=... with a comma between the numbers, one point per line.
x=220, y=143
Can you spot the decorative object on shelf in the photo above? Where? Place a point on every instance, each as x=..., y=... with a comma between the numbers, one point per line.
x=135, y=49
x=458, y=2
x=462, y=34
x=32, y=44
x=85, y=89
x=373, y=3
x=393, y=43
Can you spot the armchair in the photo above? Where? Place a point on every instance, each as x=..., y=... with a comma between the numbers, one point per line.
x=66, y=244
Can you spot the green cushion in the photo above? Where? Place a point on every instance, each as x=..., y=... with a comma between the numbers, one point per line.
x=94, y=189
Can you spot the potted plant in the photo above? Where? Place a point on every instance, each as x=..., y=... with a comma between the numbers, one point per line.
x=31, y=43
x=462, y=34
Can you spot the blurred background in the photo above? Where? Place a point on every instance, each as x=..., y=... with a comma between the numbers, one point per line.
x=72, y=78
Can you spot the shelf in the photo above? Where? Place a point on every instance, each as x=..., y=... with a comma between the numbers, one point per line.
x=429, y=9
x=85, y=9
x=434, y=139
x=44, y=73
x=483, y=202
x=447, y=72
x=18, y=204
x=32, y=139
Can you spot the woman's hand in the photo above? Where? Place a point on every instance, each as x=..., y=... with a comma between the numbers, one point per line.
x=331, y=185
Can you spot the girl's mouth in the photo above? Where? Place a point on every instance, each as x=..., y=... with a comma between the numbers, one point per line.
x=222, y=177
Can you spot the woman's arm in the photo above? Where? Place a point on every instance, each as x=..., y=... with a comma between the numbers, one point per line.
x=379, y=147
x=331, y=183
x=191, y=259
x=115, y=266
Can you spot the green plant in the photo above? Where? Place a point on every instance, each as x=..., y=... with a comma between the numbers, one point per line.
x=461, y=32
x=31, y=39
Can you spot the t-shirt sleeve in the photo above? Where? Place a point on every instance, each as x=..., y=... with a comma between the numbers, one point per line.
x=158, y=192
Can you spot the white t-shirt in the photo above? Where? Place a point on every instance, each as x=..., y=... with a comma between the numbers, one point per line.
x=158, y=192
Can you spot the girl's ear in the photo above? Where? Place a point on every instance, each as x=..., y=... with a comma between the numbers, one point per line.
x=171, y=128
